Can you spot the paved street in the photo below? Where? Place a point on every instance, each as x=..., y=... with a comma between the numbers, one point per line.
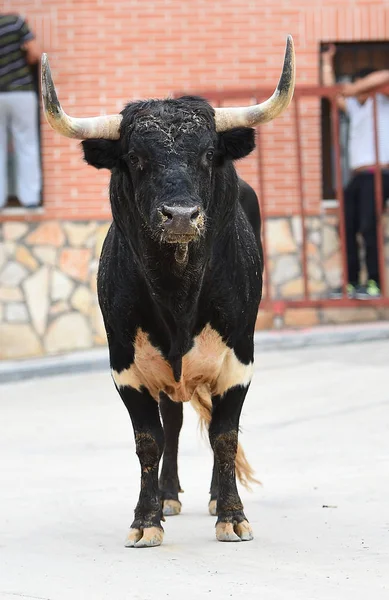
x=316, y=428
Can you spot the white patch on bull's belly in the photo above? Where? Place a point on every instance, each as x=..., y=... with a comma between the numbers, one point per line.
x=210, y=362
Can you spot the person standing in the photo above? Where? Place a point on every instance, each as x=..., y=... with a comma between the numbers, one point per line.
x=19, y=109
x=359, y=197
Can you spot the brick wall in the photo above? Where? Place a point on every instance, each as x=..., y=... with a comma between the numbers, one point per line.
x=104, y=53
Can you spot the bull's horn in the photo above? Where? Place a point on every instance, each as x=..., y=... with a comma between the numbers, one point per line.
x=249, y=116
x=106, y=127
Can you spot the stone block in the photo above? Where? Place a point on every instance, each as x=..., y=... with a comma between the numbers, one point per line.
x=293, y=289
x=14, y=231
x=82, y=300
x=317, y=287
x=314, y=223
x=3, y=255
x=97, y=321
x=287, y=267
x=315, y=270
x=331, y=241
x=59, y=307
x=75, y=262
x=68, y=332
x=78, y=233
x=9, y=249
x=332, y=268
x=47, y=255
x=101, y=233
x=16, y=312
x=314, y=238
x=350, y=315
x=312, y=250
x=279, y=237
x=93, y=283
x=36, y=290
x=47, y=234
x=264, y=320
x=18, y=341
x=10, y=294
x=61, y=286
x=297, y=230
x=301, y=317
x=24, y=257
x=12, y=274
x=331, y=220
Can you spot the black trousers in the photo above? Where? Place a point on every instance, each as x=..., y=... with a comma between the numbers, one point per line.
x=360, y=217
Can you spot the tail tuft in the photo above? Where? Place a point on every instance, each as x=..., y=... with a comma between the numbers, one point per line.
x=201, y=402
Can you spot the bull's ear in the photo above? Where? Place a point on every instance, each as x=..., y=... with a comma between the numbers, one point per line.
x=237, y=143
x=102, y=154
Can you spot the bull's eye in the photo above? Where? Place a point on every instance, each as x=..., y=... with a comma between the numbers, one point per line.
x=133, y=159
x=209, y=155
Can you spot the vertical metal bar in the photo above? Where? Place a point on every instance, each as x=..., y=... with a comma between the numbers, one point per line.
x=339, y=191
x=378, y=192
x=302, y=196
x=262, y=204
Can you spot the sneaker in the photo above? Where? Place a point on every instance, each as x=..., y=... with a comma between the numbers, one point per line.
x=337, y=293
x=366, y=292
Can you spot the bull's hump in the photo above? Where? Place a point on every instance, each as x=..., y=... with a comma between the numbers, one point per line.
x=209, y=362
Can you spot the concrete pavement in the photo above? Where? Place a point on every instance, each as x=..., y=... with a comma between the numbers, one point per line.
x=315, y=427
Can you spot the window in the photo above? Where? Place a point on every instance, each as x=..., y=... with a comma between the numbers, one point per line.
x=350, y=57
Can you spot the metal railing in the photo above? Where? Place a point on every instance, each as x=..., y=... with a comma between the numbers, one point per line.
x=279, y=305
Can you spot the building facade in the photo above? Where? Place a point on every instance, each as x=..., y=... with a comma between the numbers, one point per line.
x=103, y=54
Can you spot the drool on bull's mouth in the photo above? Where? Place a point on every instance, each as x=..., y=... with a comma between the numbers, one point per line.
x=183, y=238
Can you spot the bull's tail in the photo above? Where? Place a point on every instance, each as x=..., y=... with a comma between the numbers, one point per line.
x=201, y=402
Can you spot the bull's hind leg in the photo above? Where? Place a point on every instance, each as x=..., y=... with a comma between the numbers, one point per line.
x=169, y=483
x=212, y=506
x=146, y=529
x=231, y=525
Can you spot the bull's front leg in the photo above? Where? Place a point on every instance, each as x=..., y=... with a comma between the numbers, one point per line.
x=169, y=483
x=146, y=529
x=231, y=525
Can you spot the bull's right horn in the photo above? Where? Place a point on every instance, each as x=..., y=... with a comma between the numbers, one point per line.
x=106, y=127
x=250, y=116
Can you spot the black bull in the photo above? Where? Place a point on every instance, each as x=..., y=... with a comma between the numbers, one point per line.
x=179, y=284
x=180, y=327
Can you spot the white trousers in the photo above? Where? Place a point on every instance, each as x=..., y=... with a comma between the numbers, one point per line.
x=19, y=113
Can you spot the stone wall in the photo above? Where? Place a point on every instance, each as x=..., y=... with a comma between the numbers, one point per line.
x=284, y=244
x=48, y=300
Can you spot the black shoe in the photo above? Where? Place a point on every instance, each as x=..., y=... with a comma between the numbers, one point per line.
x=337, y=293
x=366, y=292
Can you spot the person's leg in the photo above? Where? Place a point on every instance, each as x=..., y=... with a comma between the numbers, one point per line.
x=368, y=226
x=3, y=148
x=351, y=212
x=24, y=128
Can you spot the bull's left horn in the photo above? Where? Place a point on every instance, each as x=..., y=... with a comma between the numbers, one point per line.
x=250, y=116
x=106, y=127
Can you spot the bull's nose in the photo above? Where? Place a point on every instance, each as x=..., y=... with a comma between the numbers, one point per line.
x=180, y=220
x=181, y=213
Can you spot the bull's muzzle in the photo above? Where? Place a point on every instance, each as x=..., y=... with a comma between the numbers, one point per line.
x=181, y=224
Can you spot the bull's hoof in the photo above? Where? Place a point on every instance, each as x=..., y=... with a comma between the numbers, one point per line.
x=230, y=532
x=144, y=538
x=171, y=507
x=212, y=508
